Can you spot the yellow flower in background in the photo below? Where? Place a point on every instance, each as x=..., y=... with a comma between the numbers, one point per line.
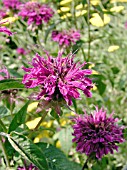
x=97, y=21
x=65, y=2
x=44, y=134
x=80, y=6
x=95, y=72
x=64, y=9
x=58, y=144
x=8, y=20
x=91, y=66
x=33, y=123
x=94, y=2
x=79, y=13
x=94, y=87
x=66, y=16
x=113, y=48
x=117, y=9
x=32, y=106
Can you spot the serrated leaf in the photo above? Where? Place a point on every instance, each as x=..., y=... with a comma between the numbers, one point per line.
x=19, y=118
x=28, y=150
x=56, y=158
x=10, y=84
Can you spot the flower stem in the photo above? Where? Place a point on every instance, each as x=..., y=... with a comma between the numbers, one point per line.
x=88, y=21
x=4, y=152
x=41, y=120
x=85, y=164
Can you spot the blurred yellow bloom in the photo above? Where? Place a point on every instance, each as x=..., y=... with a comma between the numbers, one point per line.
x=8, y=20
x=91, y=66
x=32, y=106
x=117, y=9
x=58, y=144
x=47, y=124
x=32, y=124
x=94, y=87
x=44, y=134
x=65, y=2
x=95, y=2
x=63, y=122
x=64, y=9
x=95, y=72
x=66, y=15
x=80, y=6
x=97, y=21
x=113, y=48
x=79, y=13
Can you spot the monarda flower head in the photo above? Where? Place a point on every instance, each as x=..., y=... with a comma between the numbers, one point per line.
x=97, y=134
x=58, y=78
x=11, y=4
x=66, y=38
x=36, y=13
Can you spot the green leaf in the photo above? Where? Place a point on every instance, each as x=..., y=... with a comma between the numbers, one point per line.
x=29, y=150
x=101, y=87
x=10, y=84
x=65, y=137
x=19, y=118
x=54, y=114
x=56, y=158
x=3, y=111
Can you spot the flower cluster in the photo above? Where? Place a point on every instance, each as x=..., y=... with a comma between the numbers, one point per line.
x=66, y=38
x=30, y=167
x=58, y=78
x=12, y=4
x=97, y=134
x=36, y=13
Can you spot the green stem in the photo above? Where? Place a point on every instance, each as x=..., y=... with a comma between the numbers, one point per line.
x=4, y=152
x=85, y=164
x=3, y=126
x=41, y=120
x=88, y=21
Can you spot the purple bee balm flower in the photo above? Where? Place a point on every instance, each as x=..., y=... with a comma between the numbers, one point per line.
x=21, y=51
x=31, y=167
x=66, y=38
x=97, y=133
x=58, y=78
x=11, y=4
x=34, y=12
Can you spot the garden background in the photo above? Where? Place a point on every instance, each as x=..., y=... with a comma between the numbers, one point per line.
x=102, y=44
